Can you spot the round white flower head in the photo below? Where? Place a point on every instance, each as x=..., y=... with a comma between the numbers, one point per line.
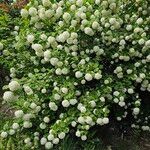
x=98, y=76
x=11, y=132
x=73, y=123
x=46, y=3
x=64, y=90
x=27, y=124
x=83, y=137
x=61, y=135
x=4, y=134
x=66, y=16
x=130, y=91
x=89, y=31
x=42, y=126
x=81, y=120
x=32, y=11
x=1, y=46
x=56, y=141
x=78, y=74
x=88, y=77
x=43, y=141
x=97, y=2
x=46, y=119
x=105, y=120
x=27, y=140
x=19, y=113
x=15, y=126
x=78, y=133
x=30, y=38
x=33, y=105
x=136, y=111
x=65, y=103
x=73, y=101
x=53, y=106
x=14, y=85
x=8, y=96
x=100, y=121
x=50, y=137
x=48, y=145
x=24, y=13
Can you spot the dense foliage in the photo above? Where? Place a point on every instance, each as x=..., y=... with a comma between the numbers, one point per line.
x=77, y=64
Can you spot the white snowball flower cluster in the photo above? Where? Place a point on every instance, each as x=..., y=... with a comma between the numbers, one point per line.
x=73, y=63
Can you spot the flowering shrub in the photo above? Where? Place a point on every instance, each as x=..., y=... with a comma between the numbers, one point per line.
x=76, y=63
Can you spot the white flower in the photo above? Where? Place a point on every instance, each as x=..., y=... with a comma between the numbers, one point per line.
x=16, y=28
x=43, y=91
x=30, y=38
x=136, y=111
x=95, y=25
x=102, y=99
x=47, y=55
x=79, y=3
x=116, y=93
x=83, y=137
x=42, y=126
x=139, y=21
x=27, y=124
x=78, y=133
x=32, y=11
x=19, y=113
x=1, y=46
x=65, y=103
x=4, y=134
x=105, y=120
x=78, y=74
x=53, y=106
x=147, y=43
x=81, y=120
x=61, y=135
x=98, y=76
x=33, y=105
x=92, y=103
x=15, y=126
x=46, y=119
x=8, y=96
x=89, y=31
x=88, y=77
x=89, y=120
x=112, y=21
x=130, y=91
x=73, y=101
x=46, y=3
x=57, y=97
x=64, y=90
x=24, y=13
x=14, y=85
x=28, y=90
x=100, y=121
x=56, y=141
x=54, y=61
x=129, y=27
x=73, y=123
x=83, y=109
x=37, y=47
x=97, y=2
x=51, y=39
x=122, y=104
x=50, y=137
x=48, y=145
x=66, y=16
x=11, y=132
x=27, y=140
x=43, y=141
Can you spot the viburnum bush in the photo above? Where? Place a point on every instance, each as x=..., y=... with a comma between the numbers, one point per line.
x=76, y=63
